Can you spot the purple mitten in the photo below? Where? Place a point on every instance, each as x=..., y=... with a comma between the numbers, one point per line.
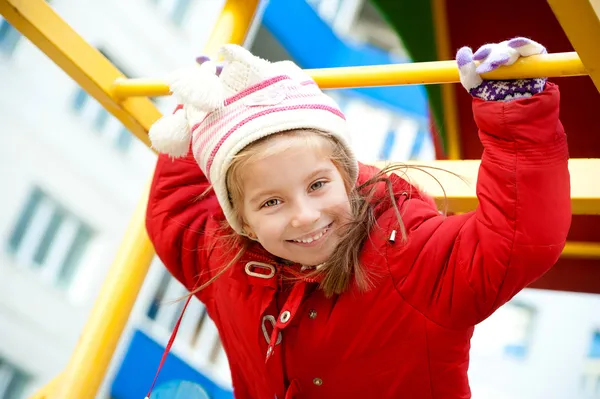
x=492, y=56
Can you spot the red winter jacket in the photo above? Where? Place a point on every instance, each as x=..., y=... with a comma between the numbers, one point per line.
x=409, y=336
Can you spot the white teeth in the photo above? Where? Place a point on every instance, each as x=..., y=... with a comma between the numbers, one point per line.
x=313, y=238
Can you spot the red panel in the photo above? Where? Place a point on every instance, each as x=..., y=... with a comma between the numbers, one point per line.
x=577, y=275
x=474, y=23
x=477, y=22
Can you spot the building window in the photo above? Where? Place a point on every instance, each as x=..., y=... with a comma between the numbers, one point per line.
x=197, y=337
x=49, y=239
x=124, y=139
x=163, y=309
x=327, y=9
x=594, y=352
x=508, y=333
x=591, y=368
x=518, y=340
x=99, y=119
x=12, y=381
x=176, y=9
x=9, y=38
x=159, y=295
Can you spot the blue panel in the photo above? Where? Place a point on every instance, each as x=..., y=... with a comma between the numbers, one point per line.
x=313, y=44
x=139, y=367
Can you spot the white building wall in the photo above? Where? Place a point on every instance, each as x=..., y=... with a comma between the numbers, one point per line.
x=48, y=144
x=557, y=341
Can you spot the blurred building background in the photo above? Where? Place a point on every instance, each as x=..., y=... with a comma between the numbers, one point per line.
x=72, y=176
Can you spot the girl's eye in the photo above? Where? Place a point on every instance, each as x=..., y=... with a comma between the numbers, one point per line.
x=317, y=185
x=271, y=202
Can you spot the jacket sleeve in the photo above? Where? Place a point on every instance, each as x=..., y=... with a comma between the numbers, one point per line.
x=180, y=220
x=460, y=269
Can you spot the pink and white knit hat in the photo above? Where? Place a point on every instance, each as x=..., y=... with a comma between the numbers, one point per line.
x=223, y=111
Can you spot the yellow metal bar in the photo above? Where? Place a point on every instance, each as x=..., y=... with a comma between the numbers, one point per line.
x=459, y=196
x=36, y=20
x=442, y=40
x=233, y=24
x=46, y=392
x=551, y=65
x=580, y=19
x=97, y=343
x=582, y=250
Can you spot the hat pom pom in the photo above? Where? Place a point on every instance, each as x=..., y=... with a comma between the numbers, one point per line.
x=199, y=86
x=171, y=134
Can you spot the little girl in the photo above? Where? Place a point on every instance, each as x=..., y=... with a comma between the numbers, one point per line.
x=327, y=278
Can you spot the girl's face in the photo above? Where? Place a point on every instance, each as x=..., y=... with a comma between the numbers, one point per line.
x=295, y=203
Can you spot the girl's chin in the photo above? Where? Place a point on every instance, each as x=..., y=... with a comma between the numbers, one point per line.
x=312, y=259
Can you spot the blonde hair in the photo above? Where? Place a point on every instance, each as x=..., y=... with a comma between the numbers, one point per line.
x=344, y=266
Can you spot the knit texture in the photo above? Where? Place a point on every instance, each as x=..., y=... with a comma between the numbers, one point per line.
x=229, y=106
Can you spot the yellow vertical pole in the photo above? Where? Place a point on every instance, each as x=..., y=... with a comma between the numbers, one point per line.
x=580, y=19
x=46, y=391
x=98, y=341
x=442, y=40
x=90, y=360
x=233, y=24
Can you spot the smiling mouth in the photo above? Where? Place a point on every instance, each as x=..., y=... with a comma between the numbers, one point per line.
x=315, y=237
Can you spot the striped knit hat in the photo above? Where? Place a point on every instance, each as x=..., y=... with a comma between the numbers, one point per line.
x=224, y=109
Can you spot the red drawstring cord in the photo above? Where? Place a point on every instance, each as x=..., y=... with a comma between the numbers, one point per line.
x=170, y=343
x=273, y=334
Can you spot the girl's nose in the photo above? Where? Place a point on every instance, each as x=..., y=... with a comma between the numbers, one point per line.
x=305, y=215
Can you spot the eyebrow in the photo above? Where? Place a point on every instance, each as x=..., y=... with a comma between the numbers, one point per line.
x=266, y=193
x=325, y=169
x=260, y=195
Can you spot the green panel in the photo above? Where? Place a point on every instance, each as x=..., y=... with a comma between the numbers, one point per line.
x=413, y=21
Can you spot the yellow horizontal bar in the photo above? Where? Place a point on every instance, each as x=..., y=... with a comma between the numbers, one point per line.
x=580, y=20
x=550, y=65
x=582, y=250
x=437, y=72
x=460, y=196
x=36, y=20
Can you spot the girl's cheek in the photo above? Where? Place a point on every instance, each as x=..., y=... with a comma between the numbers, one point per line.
x=342, y=208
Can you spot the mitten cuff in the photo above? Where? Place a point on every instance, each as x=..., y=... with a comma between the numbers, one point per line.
x=508, y=90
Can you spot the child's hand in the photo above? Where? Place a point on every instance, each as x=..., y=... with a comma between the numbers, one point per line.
x=491, y=57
